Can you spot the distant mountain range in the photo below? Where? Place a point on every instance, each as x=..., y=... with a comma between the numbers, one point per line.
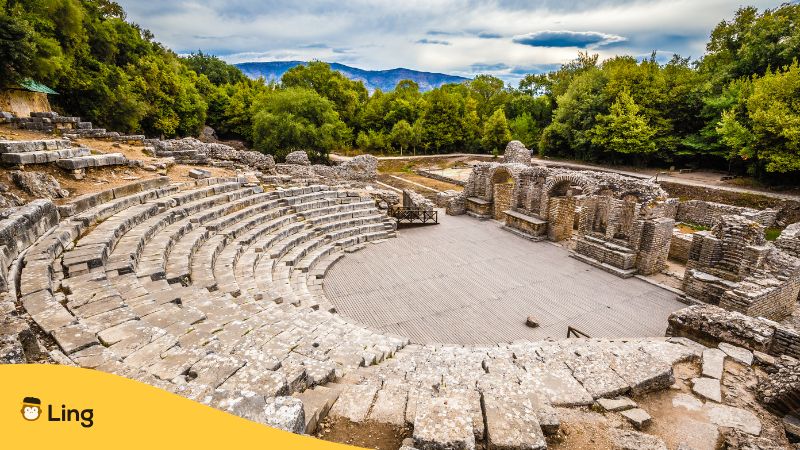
x=384, y=80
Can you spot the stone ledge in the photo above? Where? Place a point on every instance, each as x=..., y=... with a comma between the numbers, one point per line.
x=622, y=273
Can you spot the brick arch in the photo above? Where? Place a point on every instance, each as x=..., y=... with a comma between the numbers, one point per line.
x=501, y=170
x=559, y=179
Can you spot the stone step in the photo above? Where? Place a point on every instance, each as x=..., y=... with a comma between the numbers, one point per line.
x=83, y=162
x=34, y=146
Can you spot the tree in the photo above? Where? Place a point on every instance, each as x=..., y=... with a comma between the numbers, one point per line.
x=347, y=96
x=17, y=50
x=624, y=130
x=496, y=133
x=402, y=135
x=297, y=119
x=766, y=130
x=218, y=71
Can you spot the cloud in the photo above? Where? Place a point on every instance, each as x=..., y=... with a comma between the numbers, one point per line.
x=481, y=68
x=579, y=39
x=433, y=41
x=460, y=37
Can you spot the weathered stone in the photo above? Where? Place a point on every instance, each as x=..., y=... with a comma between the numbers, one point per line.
x=354, y=403
x=532, y=322
x=739, y=354
x=38, y=184
x=687, y=401
x=708, y=388
x=616, y=404
x=285, y=413
x=728, y=416
x=511, y=424
x=443, y=424
x=638, y=417
x=298, y=157
x=516, y=153
x=633, y=440
x=199, y=174
x=713, y=363
x=390, y=407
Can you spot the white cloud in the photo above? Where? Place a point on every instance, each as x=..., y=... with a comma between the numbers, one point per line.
x=462, y=37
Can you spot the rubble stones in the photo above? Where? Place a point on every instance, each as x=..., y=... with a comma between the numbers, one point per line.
x=532, y=322
x=38, y=184
x=299, y=158
x=443, y=198
x=359, y=168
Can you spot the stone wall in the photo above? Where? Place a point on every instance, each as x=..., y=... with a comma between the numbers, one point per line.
x=709, y=213
x=560, y=218
x=789, y=240
x=711, y=325
x=788, y=210
x=516, y=153
x=654, y=244
x=680, y=245
x=734, y=267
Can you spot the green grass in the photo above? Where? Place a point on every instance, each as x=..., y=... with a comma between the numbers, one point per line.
x=772, y=233
x=696, y=226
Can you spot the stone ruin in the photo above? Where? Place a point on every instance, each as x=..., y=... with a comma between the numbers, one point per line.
x=212, y=289
x=623, y=224
x=516, y=153
x=626, y=226
x=734, y=267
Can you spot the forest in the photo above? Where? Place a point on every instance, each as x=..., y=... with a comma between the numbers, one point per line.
x=737, y=108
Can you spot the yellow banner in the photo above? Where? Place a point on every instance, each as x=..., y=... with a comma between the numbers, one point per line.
x=60, y=407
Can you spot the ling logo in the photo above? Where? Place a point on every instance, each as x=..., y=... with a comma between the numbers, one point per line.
x=32, y=410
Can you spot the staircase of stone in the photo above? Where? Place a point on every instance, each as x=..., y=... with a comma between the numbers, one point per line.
x=145, y=285
x=58, y=151
x=213, y=290
x=73, y=127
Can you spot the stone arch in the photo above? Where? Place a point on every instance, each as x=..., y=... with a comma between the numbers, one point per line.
x=503, y=187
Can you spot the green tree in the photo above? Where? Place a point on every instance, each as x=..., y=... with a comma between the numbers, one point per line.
x=297, y=119
x=624, y=130
x=17, y=50
x=496, y=133
x=347, y=96
x=218, y=71
x=766, y=131
x=402, y=135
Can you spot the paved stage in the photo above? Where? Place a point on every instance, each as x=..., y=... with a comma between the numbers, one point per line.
x=467, y=281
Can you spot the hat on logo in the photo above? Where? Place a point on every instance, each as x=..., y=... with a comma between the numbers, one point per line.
x=31, y=401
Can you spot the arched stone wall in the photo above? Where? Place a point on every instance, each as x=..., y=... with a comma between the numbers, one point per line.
x=504, y=191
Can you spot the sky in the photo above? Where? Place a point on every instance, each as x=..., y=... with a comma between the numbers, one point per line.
x=505, y=38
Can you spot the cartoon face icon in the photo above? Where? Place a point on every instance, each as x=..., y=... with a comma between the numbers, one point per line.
x=31, y=408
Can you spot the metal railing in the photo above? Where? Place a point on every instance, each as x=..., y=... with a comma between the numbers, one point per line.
x=574, y=332
x=414, y=215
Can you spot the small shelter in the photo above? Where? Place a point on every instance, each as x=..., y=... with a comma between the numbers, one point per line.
x=25, y=97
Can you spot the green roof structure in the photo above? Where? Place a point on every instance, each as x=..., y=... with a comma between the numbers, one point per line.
x=31, y=85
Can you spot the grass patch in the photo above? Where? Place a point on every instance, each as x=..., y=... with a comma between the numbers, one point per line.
x=772, y=233
x=693, y=227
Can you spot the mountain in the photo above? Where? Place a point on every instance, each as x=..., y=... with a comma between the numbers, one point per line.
x=384, y=80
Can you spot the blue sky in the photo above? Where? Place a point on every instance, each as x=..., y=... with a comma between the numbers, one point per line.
x=506, y=38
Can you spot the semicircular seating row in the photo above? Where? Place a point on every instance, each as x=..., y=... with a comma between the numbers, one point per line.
x=207, y=287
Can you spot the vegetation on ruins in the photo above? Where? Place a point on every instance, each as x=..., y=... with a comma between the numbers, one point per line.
x=736, y=108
